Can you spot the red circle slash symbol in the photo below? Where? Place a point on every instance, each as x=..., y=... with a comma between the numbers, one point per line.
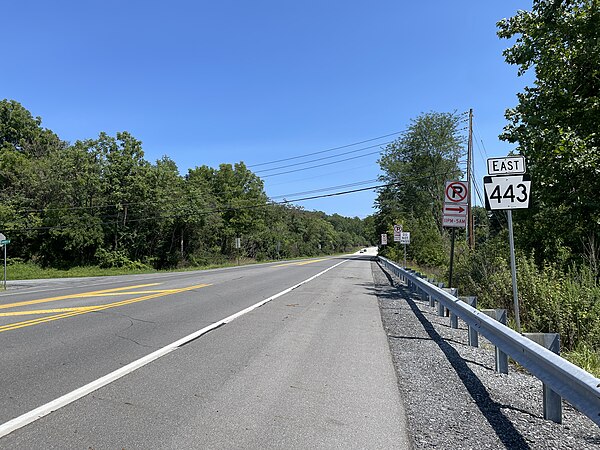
x=456, y=192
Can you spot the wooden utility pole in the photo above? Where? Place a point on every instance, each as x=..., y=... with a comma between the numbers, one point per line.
x=470, y=231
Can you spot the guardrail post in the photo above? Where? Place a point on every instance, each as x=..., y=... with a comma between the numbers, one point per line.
x=552, y=401
x=414, y=288
x=430, y=297
x=440, y=307
x=421, y=291
x=453, y=292
x=501, y=357
x=453, y=317
x=473, y=337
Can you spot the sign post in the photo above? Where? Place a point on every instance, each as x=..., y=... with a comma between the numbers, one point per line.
x=4, y=242
x=455, y=214
x=238, y=245
x=509, y=189
x=405, y=239
x=397, y=232
x=398, y=236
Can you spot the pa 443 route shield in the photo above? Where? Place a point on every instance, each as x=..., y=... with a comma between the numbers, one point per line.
x=507, y=192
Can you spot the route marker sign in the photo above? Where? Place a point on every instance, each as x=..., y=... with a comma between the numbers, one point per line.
x=507, y=192
x=508, y=189
x=397, y=232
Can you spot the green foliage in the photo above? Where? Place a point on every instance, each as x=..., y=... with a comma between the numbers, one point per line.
x=556, y=123
x=116, y=258
x=585, y=357
x=416, y=167
x=99, y=202
x=551, y=300
x=418, y=164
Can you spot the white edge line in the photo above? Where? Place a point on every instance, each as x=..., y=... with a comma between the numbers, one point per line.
x=44, y=410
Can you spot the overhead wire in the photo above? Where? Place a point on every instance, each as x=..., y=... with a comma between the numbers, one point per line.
x=323, y=158
x=358, y=183
x=325, y=151
x=320, y=165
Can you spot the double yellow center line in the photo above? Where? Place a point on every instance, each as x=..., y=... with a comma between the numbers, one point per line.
x=300, y=263
x=63, y=313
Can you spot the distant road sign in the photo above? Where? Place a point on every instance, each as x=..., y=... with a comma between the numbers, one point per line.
x=384, y=239
x=510, y=192
x=397, y=232
x=456, y=192
x=5, y=241
x=510, y=165
x=405, y=237
x=2, y=237
x=454, y=221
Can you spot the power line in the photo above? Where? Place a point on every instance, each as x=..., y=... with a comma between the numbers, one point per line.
x=320, y=176
x=323, y=158
x=320, y=165
x=358, y=183
x=325, y=151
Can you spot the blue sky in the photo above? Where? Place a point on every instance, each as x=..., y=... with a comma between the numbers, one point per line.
x=226, y=81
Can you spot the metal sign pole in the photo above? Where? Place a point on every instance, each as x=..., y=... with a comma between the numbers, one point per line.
x=513, y=269
x=405, y=255
x=451, y=259
x=4, y=266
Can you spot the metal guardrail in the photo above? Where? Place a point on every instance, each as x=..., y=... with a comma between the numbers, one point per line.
x=580, y=388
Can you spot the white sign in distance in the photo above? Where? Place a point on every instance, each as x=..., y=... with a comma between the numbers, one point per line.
x=507, y=192
x=456, y=192
x=397, y=232
x=384, y=239
x=454, y=221
x=510, y=165
x=2, y=237
x=405, y=237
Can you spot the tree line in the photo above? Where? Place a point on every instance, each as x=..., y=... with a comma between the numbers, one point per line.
x=100, y=202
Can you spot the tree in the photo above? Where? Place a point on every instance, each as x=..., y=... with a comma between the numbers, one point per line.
x=418, y=165
x=556, y=123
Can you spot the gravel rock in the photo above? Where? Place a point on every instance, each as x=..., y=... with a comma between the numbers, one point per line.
x=453, y=396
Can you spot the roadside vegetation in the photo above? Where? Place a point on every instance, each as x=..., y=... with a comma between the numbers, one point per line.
x=98, y=205
x=556, y=126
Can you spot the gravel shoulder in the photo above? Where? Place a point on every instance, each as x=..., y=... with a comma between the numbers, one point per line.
x=452, y=394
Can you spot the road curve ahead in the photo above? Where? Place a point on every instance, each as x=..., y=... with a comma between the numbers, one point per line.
x=308, y=369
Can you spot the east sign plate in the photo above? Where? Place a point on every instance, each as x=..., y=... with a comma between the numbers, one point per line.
x=509, y=165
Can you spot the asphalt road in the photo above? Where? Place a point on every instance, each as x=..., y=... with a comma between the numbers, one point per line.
x=311, y=368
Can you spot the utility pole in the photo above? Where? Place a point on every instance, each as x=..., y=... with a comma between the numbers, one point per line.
x=470, y=231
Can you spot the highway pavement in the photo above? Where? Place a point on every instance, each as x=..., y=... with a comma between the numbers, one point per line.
x=225, y=358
